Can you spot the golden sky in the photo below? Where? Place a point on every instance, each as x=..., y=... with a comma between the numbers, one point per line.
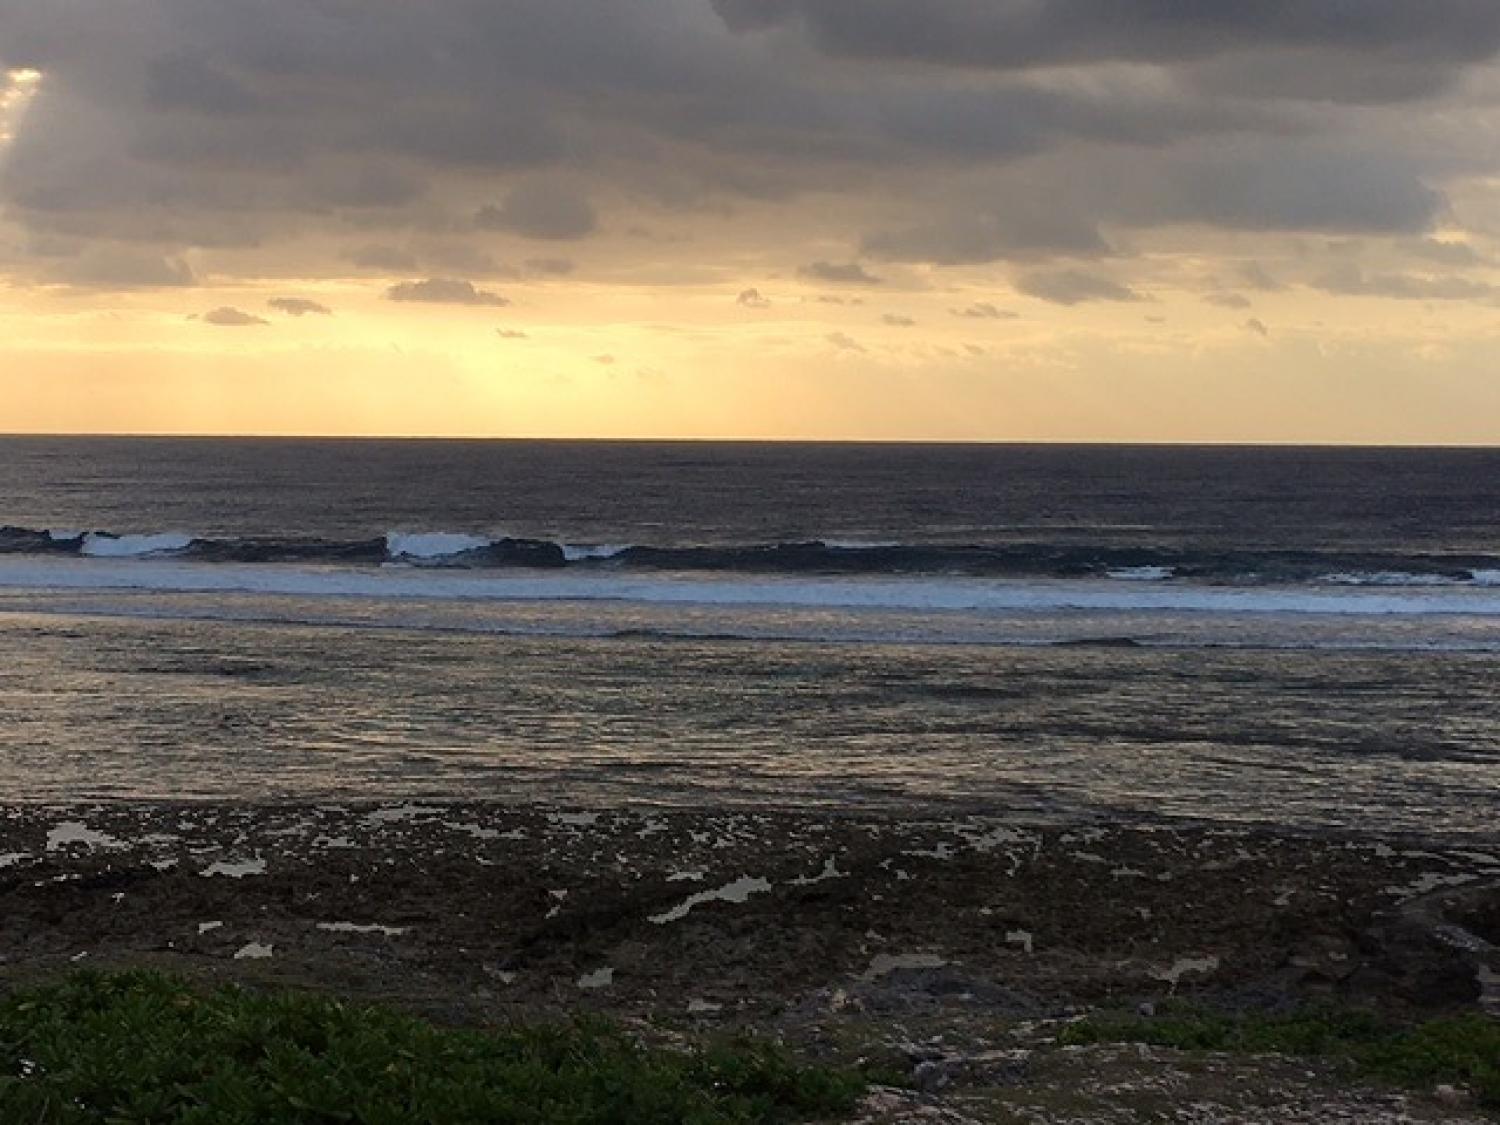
x=752, y=218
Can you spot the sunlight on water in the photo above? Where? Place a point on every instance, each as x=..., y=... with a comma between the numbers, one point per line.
x=102, y=707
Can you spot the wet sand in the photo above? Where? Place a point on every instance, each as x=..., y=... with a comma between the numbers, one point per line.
x=950, y=950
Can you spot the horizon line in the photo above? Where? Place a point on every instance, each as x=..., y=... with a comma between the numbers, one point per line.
x=152, y=435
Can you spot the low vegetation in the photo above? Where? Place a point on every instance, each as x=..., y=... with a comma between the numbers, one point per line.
x=142, y=1047
x=1462, y=1051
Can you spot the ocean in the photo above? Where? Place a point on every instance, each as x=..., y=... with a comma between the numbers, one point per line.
x=1308, y=638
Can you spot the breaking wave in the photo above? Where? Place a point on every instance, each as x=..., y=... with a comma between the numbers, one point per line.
x=1021, y=560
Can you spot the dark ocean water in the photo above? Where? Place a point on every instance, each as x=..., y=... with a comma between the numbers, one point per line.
x=1303, y=636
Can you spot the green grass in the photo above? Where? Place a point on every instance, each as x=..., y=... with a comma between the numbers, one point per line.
x=1462, y=1050
x=140, y=1047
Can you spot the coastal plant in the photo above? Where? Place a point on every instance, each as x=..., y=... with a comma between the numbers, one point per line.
x=135, y=1048
x=1461, y=1050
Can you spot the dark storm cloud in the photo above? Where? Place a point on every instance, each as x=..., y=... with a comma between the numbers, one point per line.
x=1074, y=287
x=445, y=291
x=839, y=273
x=1012, y=130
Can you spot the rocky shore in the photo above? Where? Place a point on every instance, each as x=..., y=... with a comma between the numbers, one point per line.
x=946, y=952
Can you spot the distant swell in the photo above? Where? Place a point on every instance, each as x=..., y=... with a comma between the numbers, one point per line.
x=463, y=550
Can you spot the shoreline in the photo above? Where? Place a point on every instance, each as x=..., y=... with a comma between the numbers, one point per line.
x=540, y=892
x=813, y=928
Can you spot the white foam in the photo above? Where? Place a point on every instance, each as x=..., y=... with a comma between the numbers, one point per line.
x=10, y=859
x=64, y=534
x=1389, y=578
x=100, y=546
x=582, y=552
x=208, y=927
x=1142, y=573
x=919, y=594
x=432, y=544
x=1485, y=577
x=254, y=951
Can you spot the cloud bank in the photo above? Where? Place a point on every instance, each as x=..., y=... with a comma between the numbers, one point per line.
x=156, y=141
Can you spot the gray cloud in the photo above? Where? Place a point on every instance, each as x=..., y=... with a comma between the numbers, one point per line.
x=896, y=320
x=967, y=239
x=1350, y=280
x=844, y=342
x=752, y=299
x=542, y=210
x=445, y=291
x=461, y=257
x=1306, y=188
x=1073, y=287
x=1228, y=300
x=386, y=258
x=839, y=273
x=117, y=267
x=227, y=317
x=1019, y=34
x=1255, y=276
x=299, y=306
x=552, y=267
x=1455, y=254
x=1256, y=325
x=949, y=132
x=511, y=334
x=983, y=310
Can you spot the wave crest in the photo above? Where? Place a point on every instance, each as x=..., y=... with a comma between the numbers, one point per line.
x=1015, y=560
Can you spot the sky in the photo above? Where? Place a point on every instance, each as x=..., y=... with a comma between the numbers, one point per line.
x=1011, y=220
